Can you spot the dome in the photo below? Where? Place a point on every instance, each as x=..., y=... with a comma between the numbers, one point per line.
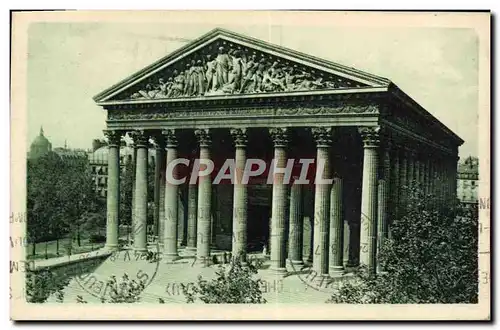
x=40, y=146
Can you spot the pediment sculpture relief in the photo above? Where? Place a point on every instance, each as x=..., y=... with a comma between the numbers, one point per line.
x=224, y=68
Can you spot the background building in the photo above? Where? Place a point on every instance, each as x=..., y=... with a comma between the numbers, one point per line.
x=40, y=146
x=467, y=181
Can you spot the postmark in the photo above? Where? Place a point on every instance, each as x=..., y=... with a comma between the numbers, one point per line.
x=136, y=268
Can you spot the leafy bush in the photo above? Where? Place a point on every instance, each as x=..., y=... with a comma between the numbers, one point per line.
x=234, y=284
x=430, y=258
x=125, y=291
x=41, y=284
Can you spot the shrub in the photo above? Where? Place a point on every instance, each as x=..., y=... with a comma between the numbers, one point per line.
x=41, y=284
x=125, y=291
x=234, y=284
x=430, y=258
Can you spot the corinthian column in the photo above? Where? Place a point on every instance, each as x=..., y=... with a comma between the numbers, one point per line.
x=395, y=188
x=170, y=252
x=192, y=216
x=411, y=168
x=203, y=237
x=141, y=191
x=240, y=197
x=336, y=228
x=279, y=211
x=159, y=177
x=403, y=181
x=113, y=195
x=323, y=137
x=295, y=233
x=383, y=198
x=369, y=201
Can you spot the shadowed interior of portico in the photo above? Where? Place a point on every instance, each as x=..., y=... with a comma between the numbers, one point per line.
x=346, y=153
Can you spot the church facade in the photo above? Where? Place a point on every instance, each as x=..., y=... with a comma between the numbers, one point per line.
x=228, y=96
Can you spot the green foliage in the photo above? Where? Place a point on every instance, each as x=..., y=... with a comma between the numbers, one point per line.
x=126, y=290
x=233, y=284
x=41, y=284
x=61, y=197
x=431, y=257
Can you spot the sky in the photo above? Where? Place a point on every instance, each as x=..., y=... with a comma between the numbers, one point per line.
x=69, y=63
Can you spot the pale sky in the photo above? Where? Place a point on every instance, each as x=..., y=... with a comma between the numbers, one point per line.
x=70, y=63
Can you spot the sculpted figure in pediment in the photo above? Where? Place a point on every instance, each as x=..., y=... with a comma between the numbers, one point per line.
x=210, y=73
x=247, y=73
x=177, y=88
x=188, y=84
x=236, y=72
x=223, y=63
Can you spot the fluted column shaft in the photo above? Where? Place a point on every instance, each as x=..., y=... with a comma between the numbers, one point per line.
x=192, y=216
x=170, y=252
x=295, y=233
x=159, y=176
x=134, y=169
x=417, y=170
x=159, y=153
x=411, y=168
x=323, y=137
x=383, y=199
x=369, y=199
x=395, y=188
x=336, y=258
x=141, y=192
x=161, y=227
x=425, y=177
x=403, y=182
x=240, y=196
x=204, y=216
x=113, y=192
x=279, y=204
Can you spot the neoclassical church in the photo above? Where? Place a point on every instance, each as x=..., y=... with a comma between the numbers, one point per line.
x=226, y=95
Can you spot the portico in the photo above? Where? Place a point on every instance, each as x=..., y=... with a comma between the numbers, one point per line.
x=367, y=138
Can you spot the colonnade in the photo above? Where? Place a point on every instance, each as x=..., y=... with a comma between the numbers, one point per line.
x=388, y=167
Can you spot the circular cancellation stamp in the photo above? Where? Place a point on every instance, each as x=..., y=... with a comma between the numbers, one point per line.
x=105, y=271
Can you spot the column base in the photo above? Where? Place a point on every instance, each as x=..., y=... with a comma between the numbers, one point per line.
x=278, y=271
x=203, y=261
x=170, y=257
x=111, y=247
x=296, y=265
x=336, y=270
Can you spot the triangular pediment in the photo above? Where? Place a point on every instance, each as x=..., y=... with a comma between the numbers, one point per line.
x=224, y=63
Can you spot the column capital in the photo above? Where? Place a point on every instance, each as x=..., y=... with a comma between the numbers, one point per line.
x=159, y=141
x=170, y=137
x=203, y=136
x=370, y=136
x=239, y=136
x=279, y=136
x=114, y=137
x=322, y=136
x=140, y=138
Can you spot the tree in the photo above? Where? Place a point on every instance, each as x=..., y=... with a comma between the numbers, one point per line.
x=232, y=285
x=42, y=199
x=60, y=192
x=430, y=258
